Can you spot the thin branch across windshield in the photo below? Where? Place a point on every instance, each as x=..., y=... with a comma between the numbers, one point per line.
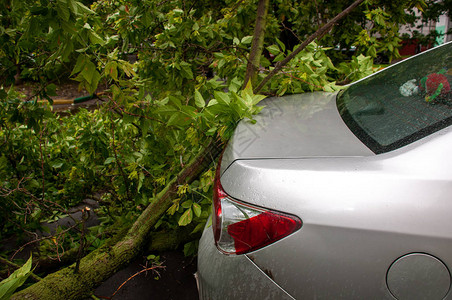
x=403, y=103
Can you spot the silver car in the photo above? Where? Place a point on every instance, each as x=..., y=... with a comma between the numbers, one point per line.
x=339, y=196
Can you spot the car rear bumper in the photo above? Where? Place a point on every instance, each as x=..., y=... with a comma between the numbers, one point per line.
x=221, y=276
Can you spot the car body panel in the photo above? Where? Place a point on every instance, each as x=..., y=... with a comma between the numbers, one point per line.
x=354, y=190
x=238, y=274
x=296, y=126
x=320, y=263
x=384, y=217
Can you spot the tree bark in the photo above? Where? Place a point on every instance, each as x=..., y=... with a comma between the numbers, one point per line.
x=104, y=262
x=257, y=45
x=159, y=241
x=167, y=240
x=327, y=27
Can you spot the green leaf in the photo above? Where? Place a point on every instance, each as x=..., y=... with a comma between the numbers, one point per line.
x=51, y=89
x=91, y=87
x=63, y=10
x=222, y=97
x=191, y=248
x=81, y=61
x=190, y=111
x=172, y=210
x=95, y=38
x=111, y=68
x=197, y=209
x=175, y=119
x=15, y=280
x=72, y=4
x=109, y=160
x=176, y=101
x=281, y=45
x=33, y=184
x=273, y=49
x=212, y=102
x=140, y=181
x=56, y=164
x=186, y=217
x=186, y=70
x=247, y=39
x=187, y=204
x=84, y=9
x=211, y=131
x=67, y=50
x=126, y=67
x=198, y=227
x=199, y=100
x=88, y=71
x=390, y=47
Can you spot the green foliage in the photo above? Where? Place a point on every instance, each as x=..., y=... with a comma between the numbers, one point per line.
x=15, y=280
x=358, y=68
x=372, y=26
x=184, y=88
x=311, y=70
x=41, y=37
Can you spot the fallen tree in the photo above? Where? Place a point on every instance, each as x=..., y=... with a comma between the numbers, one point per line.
x=103, y=262
x=158, y=241
x=79, y=279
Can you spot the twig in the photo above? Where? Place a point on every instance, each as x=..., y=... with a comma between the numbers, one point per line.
x=81, y=249
x=131, y=277
x=42, y=165
x=236, y=6
x=7, y=192
x=40, y=239
x=126, y=182
x=291, y=31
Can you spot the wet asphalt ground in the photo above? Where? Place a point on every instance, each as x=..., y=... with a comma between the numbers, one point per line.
x=175, y=281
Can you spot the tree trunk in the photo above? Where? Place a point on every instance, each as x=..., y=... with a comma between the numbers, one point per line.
x=167, y=240
x=257, y=45
x=104, y=262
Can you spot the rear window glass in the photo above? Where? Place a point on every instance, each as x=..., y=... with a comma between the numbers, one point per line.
x=403, y=103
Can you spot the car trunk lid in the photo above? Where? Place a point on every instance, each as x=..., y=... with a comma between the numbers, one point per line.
x=296, y=126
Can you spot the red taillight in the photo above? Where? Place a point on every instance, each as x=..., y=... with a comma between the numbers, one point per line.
x=218, y=194
x=261, y=230
x=241, y=228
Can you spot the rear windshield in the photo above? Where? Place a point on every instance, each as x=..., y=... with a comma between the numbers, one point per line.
x=403, y=103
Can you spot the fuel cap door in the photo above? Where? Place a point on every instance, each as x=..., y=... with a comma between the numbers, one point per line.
x=418, y=276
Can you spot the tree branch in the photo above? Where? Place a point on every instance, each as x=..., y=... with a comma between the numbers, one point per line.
x=258, y=42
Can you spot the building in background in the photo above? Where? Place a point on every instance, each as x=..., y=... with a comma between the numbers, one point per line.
x=443, y=26
x=423, y=35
